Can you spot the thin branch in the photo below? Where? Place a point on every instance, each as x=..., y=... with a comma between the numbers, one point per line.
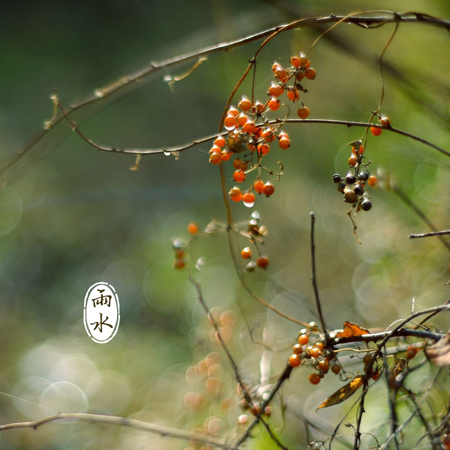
x=221, y=341
x=425, y=235
x=404, y=332
x=120, y=421
x=283, y=377
x=155, y=67
x=418, y=211
x=314, y=281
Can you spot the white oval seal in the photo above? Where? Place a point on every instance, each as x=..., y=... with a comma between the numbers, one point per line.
x=101, y=313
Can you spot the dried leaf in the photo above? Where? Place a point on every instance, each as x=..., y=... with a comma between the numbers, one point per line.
x=344, y=392
x=351, y=329
x=439, y=353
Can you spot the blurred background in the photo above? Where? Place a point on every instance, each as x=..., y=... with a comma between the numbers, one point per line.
x=71, y=216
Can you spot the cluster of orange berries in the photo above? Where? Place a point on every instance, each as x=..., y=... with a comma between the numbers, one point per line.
x=383, y=120
x=248, y=129
x=352, y=186
x=179, y=246
x=259, y=394
x=321, y=360
x=255, y=233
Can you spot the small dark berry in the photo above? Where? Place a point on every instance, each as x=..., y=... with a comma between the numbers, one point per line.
x=350, y=178
x=364, y=176
x=350, y=197
x=366, y=205
x=341, y=187
x=337, y=178
x=359, y=190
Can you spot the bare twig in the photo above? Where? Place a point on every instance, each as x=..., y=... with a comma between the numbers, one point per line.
x=314, y=281
x=418, y=211
x=425, y=235
x=120, y=421
x=155, y=67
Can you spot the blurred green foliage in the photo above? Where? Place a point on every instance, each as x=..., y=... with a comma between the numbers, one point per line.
x=76, y=216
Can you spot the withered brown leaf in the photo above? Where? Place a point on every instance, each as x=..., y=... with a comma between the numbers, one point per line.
x=344, y=392
x=439, y=353
x=351, y=329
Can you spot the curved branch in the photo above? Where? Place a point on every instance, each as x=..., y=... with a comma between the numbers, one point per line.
x=123, y=421
x=155, y=67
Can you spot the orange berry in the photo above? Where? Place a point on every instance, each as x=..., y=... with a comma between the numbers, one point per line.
x=303, y=59
x=303, y=112
x=361, y=149
x=352, y=161
x=275, y=90
x=297, y=349
x=179, y=263
x=293, y=95
x=239, y=176
x=246, y=253
x=215, y=149
x=245, y=104
x=385, y=121
x=294, y=360
x=411, y=352
x=268, y=135
x=262, y=262
x=230, y=122
x=319, y=345
x=284, y=143
x=258, y=107
x=280, y=73
x=215, y=158
x=249, y=127
x=324, y=365
x=372, y=181
x=248, y=199
x=193, y=228
x=179, y=253
x=232, y=112
x=336, y=368
x=220, y=141
x=235, y=194
x=375, y=131
x=274, y=104
x=376, y=375
x=259, y=186
x=268, y=189
x=295, y=61
x=242, y=119
x=314, y=378
x=310, y=73
x=225, y=156
x=315, y=352
x=263, y=149
x=275, y=66
x=303, y=339
x=239, y=164
x=299, y=75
